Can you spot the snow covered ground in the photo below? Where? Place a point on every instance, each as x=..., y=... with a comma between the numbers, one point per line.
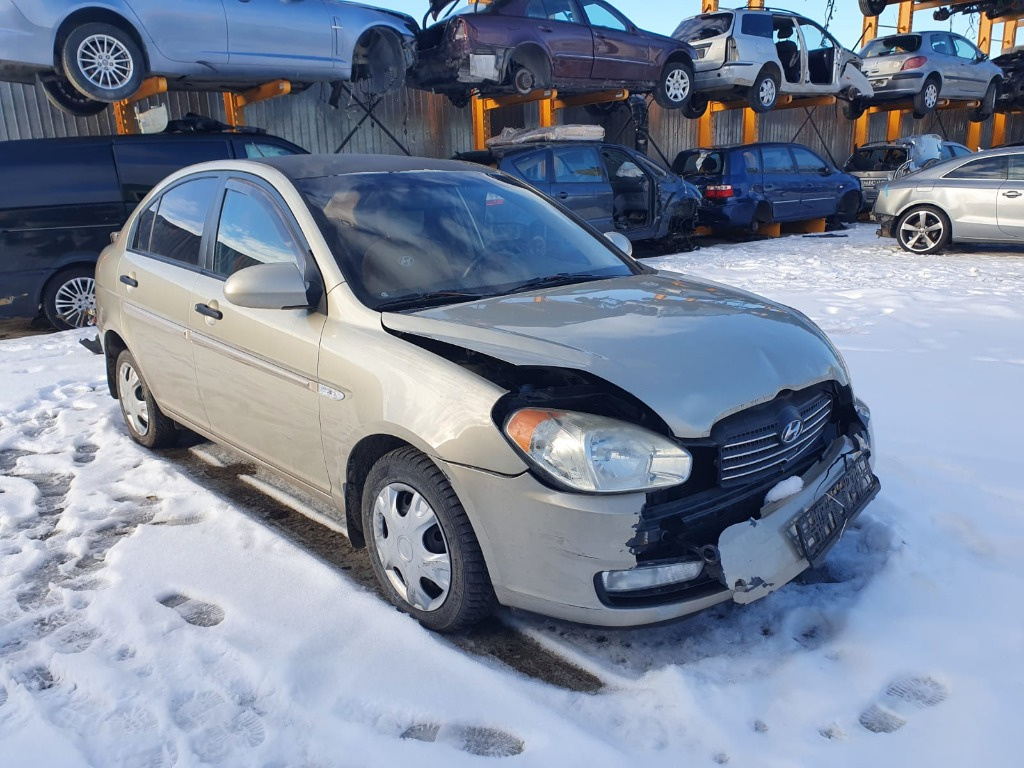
x=146, y=620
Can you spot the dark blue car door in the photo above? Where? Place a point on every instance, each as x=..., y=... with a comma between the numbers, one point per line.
x=781, y=183
x=579, y=183
x=818, y=184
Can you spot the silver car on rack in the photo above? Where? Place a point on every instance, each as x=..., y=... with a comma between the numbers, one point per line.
x=88, y=53
x=927, y=66
x=979, y=198
x=501, y=403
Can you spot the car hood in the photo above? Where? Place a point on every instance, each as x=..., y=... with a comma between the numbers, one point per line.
x=693, y=351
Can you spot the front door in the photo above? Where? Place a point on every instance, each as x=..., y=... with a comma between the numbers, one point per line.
x=186, y=30
x=1010, y=205
x=579, y=183
x=973, y=198
x=619, y=53
x=821, y=54
x=256, y=368
x=632, y=192
x=271, y=38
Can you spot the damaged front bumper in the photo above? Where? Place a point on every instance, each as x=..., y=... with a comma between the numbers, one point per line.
x=886, y=225
x=551, y=552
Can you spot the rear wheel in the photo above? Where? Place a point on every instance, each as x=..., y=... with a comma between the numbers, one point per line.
x=923, y=229
x=67, y=98
x=872, y=7
x=675, y=88
x=103, y=62
x=146, y=423
x=696, y=107
x=988, y=104
x=422, y=546
x=764, y=93
x=69, y=299
x=523, y=80
x=927, y=98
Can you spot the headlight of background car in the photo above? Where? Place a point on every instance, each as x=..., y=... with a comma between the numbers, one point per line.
x=597, y=454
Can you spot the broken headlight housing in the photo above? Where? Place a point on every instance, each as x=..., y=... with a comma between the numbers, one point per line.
x=596, y=454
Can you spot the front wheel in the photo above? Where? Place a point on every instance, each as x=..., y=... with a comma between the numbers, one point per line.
x=146, y=423
x=675, y=88
x=764, y=93
x=422, y=546
x=69, y=299
x=854, y=107
x=988, y=104
x=696, y=107
x=103, y=62
x=923, y=230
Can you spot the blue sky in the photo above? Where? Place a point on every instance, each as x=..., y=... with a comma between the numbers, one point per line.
x=662, y=17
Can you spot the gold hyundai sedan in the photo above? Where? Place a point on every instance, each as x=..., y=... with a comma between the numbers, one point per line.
x=502, y=404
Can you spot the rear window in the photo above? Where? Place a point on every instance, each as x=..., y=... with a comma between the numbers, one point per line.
x=41, y=174
x=892, y=46
x=700, y=162
x=876, y=159
x=704, y=27
x=757, y=25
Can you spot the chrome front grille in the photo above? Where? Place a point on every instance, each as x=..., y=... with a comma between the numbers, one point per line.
x=759, y=451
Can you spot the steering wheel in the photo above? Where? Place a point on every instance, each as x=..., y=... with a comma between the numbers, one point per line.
x=505, y=265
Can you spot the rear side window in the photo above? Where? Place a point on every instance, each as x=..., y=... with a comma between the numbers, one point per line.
x=600, y=15
x=751, y=162
x=757, y=25
x=41, y=174
x=776, y=160
x=177, y=227
x=532, y=167
x=985, y=169
x=555, y=10
x=144, y=164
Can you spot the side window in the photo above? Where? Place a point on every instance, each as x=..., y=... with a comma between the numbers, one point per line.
x=179, y=220
x=560, y=10
x=142, y=164
x=251, y=231
x=256, y=149
x=621, y=167
x=964, y=49
x=776, y=160
x=751, y=162
x=575, y=165
x=535, y=10
x=807, y=161
x=601, y=15
x=987, y=168
x=815, y=37
x=1016, y=167
x=757, y=25
x=959, y=151
x=37, y=174
x=942, y=43
x=532, y=167
x=144, y=228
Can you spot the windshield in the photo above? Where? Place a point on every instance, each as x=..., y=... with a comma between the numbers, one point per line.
x=703, y=27
x=419, y=238
x=891, y=46
x=876, y=159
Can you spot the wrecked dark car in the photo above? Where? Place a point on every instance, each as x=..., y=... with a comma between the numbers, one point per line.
x=559, y=428
x=518, y=46
x=612, y=187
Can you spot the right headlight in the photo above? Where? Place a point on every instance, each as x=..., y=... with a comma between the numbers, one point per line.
x=596, y=454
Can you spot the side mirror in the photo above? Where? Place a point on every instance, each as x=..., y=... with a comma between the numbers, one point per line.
x=620, y=241
x=268, y=286
x=825, y=170
x=114, y=236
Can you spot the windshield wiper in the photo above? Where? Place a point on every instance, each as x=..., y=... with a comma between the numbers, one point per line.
x=551, y=281
x=429, y=299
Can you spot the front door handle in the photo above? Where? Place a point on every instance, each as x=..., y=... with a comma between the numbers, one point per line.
x=129, y=281
x=563, y=195
x=1012, y=193
x=208, y=311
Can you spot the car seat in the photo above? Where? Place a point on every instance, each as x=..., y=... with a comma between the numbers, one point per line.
x=789, y=55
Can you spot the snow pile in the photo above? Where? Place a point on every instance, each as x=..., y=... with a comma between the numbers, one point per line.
x=791, y=486
x=147, y=620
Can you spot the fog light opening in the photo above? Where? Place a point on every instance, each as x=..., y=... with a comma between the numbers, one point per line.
x=652, y=576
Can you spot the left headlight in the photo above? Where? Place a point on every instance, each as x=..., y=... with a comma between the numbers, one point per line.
x=596, y=454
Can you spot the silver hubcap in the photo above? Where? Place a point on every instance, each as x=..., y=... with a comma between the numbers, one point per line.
x=133, y=399
x=767, y=92
x=75, y=301
x=411, y=546
x=921, y=231
x=105, y=62
x=677, y=85
x=931, y=96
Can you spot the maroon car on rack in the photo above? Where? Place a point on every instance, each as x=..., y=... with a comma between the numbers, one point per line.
x=517, y=46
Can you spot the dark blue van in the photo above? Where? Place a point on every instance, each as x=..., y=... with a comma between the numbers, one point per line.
x=745, y=186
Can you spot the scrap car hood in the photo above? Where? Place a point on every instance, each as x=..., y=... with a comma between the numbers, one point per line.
x=693, y=351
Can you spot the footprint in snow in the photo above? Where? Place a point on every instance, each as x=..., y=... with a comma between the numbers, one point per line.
x=890, y=712
x=85, y=453
x=485, y=742
x=195, y=612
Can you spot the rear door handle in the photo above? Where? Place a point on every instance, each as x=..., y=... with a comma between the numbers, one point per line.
x=1012, y=193
x=208, y=311
x=563, y=195
x=545, y=29
x=130, y=281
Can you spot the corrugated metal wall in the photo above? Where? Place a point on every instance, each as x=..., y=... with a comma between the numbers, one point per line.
x=429, y=125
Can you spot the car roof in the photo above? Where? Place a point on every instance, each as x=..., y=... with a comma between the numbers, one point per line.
x=297, y=167
x=733, y=147
x=142, y=138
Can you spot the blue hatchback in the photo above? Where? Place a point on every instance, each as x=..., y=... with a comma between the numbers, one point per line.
x=745, y=186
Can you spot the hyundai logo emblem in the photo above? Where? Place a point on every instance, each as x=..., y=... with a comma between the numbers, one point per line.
x=791, y=432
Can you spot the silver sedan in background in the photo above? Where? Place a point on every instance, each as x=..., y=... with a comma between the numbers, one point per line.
x=925, y=66
x=979, y=198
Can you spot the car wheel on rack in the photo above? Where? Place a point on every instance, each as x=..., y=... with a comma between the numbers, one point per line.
x=872, y=7
x=927, y=98
x=923, y=229
x=988, y=104
x=103, y=61
x=67, y=98
x=854, y=106
x=675, y=88
x=764, y=93
x=696, y=108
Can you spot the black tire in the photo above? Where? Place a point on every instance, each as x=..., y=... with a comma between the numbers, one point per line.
x=603, y=109
x=146, y=423
x=926, y=99
x=459, y=100
x=854, y=108
x=469, y=596
x=696, y=108
x=764, y=93
x=65, y=97
x=988, y=104
x=524, y=81
x=675, y=86
x=849, y=208
x=872, y=7
x=69, y=298
x=121, y=65
x=923, y=229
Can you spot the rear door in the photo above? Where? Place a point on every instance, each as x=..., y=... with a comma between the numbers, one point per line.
x=276, y=39
x=619, y=52
x=1010, y=206
x=580, y=184
x=186, y=30
x=560, y=27
x=156, y=277
x=781, y=183
x=817, y=187
x=257, y=368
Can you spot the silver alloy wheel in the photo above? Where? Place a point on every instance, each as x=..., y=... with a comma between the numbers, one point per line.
x=133, y=398
x=767, y=92
x=931, y=95
x=105, y=62
x=923, y=235
x=677, y=85
x=411, y=546
x=75, y=301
